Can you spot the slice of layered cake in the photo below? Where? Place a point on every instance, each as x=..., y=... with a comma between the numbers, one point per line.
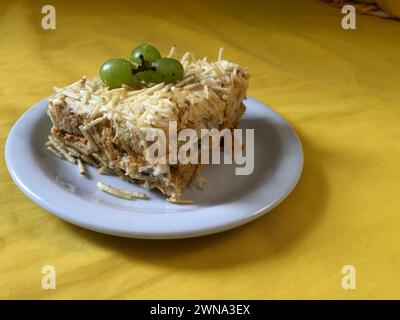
x=107, y=127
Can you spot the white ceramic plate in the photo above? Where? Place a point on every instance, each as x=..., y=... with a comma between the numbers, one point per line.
x=228, y=201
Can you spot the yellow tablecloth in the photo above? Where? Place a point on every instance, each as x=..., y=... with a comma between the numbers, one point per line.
x=339, y=89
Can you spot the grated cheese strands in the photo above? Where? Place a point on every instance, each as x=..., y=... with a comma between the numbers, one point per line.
x=81, y=167
x=220, y=53
x=93, y=123
x=90, y=139
x=51, y=115
x=171, y=53
x=56, y=153
x=180, y=201
x=124, y=194
x=102, y=169
x=206, y=92
x=185, y=57
x=58, y=146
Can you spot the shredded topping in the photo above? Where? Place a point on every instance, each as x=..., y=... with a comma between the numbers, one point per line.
x=81, y=167
x=205, y=91
x=124, y=194
x=180, y=201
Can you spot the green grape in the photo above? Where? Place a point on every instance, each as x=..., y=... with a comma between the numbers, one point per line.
x=116, y=72
x=149, y=53
x=167, y=70
x=146, y=76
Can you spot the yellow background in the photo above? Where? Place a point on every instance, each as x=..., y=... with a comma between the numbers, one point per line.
x=339, y=89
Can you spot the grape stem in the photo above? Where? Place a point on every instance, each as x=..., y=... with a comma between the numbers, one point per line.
x=144, y=66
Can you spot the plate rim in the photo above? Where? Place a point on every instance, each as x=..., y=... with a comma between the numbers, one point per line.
x=148, y=235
